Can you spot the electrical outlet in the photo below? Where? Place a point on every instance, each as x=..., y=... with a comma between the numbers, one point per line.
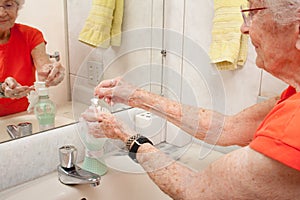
x=151, y=126
x=95, y=70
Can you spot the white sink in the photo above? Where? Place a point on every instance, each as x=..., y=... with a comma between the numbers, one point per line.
x=115, y=185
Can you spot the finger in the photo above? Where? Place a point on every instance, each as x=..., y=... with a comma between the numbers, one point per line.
x=11, y=82
x=56, y=74
x=90, y=116
x=101, y=92
x=107, y=83
x=18, y=92
x=59, y=77
x=44, y=72
x=96, y=130
x=25, y=92
x=109, y=101
x=52, y=73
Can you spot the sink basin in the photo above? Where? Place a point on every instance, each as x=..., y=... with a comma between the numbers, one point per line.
x=115, y=185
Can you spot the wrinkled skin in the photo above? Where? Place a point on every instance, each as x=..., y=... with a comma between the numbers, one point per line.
x=106, y=125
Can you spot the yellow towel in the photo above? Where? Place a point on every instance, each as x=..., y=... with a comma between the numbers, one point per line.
x=229, y=46
x=103, y=25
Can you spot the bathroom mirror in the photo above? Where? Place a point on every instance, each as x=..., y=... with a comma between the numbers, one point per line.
x=61, y=23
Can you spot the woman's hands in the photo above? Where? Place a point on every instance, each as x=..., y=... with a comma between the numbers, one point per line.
x=14, y=90
x=105, y=124
x=52, y=73
x=114, y=91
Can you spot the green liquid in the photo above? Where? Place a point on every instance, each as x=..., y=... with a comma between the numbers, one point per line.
x=46, y=119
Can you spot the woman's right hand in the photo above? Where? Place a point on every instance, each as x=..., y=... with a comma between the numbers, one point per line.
x=14, y=90
x=114, y=91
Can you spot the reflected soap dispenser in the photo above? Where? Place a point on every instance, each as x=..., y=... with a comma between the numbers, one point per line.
x=45, y=110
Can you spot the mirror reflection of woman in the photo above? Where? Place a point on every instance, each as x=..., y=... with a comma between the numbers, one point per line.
x=22, y=54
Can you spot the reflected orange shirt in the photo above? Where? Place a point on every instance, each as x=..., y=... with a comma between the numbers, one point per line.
x=16, y=61
x=278, y=136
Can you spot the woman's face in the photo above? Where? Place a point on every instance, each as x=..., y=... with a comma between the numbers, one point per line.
x=8, y=14
x=272, y=42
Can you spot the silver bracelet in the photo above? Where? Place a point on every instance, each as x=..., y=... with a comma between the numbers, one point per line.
x=131, y=139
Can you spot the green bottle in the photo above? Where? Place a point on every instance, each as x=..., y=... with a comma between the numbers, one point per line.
x=45, y=110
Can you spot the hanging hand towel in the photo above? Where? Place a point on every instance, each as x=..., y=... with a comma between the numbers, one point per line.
x=103, y=25
x=229, y=46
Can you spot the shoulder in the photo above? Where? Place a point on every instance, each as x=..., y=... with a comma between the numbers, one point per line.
x=27, y=34
x=22, y=28
x=278, y=135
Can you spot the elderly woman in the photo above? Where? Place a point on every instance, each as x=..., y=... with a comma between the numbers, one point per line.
x=23, y=52
x=268, y=164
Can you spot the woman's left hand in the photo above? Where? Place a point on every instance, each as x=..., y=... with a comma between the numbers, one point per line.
x=107, y=125
x=52, y=74
x=14, y=90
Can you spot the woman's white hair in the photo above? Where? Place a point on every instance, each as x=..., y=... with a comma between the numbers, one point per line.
x=20, y=3
x=284, y=11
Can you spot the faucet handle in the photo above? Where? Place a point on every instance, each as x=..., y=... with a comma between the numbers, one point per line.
x=67, y=156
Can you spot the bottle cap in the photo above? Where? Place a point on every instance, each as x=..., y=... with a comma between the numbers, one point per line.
x=95, y=101
x=39, y=84
x=43, y=91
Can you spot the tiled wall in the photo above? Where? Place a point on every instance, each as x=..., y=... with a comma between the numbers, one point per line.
x=133, y=58
x=193, y=19
x=189, y=24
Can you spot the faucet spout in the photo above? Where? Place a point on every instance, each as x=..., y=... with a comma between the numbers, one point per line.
x=76, y=175
x=71, y=174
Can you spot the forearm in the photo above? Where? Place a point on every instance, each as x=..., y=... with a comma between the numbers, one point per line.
x=204, y=124
x=171, y=177
x=241, y=174
x=201, y=123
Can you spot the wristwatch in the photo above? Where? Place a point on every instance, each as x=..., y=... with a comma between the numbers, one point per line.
x=136, y=145
x=131, y=139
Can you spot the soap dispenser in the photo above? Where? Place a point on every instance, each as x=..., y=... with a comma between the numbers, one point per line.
x=94, y=151
x=45, y=110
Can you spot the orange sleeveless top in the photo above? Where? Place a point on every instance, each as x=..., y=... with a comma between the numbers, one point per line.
x=16, y=61
x=278, y=136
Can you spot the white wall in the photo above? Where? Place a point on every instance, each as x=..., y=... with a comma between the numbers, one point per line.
x=193, y=19
x=48, y=17
x=125, y=59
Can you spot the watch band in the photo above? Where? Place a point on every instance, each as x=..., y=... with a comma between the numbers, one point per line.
x=131, y=139
x=135, y=146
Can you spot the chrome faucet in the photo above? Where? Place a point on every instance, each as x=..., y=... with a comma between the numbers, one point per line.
x=22, y=129
x=69, y=173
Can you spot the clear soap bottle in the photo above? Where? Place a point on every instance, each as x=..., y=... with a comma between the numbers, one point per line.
x=45, y=110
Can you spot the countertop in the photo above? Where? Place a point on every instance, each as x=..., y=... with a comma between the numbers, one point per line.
x=64, y=116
